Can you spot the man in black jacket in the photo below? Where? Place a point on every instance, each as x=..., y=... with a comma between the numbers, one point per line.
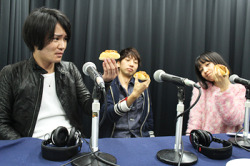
x=39, y=94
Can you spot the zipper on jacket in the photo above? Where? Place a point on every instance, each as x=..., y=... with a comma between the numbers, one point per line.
x=111, y=91
x=113, y=130
x=146, y=115
x=32, y=122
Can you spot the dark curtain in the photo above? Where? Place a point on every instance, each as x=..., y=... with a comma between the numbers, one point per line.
x=169, y=34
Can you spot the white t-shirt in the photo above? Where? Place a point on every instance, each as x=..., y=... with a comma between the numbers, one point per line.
x=51, y=113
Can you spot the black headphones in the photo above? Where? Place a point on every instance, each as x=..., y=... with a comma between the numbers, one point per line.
x=64, y=145
x=201, y=139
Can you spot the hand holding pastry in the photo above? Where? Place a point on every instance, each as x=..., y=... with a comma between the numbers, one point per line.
x=221, y=74
x=110, y=70
x=141, y=75
x=139, y=88
x=109, y=64
x=222, y=69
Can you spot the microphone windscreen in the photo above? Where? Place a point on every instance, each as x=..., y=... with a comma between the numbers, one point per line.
x=157, y=75
x=86, y=66
x=232, y=78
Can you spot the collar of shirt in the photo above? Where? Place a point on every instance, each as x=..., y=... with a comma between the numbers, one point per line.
x=130, y=84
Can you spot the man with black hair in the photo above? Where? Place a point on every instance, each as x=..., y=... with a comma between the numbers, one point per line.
x=39, y=94
x=129, y=110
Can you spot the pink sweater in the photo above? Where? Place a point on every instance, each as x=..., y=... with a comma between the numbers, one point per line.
x=218, y=112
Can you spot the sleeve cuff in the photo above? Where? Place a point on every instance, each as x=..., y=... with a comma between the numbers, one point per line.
x=107, y=85
x=121, y=108
x=124, y=106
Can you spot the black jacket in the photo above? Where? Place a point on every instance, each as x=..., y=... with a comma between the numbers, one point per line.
x=21, y=93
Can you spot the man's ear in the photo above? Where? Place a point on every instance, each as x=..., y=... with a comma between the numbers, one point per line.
x=118, y=64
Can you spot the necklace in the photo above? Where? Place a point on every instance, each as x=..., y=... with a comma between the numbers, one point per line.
x=50, y=83
x=49, y=79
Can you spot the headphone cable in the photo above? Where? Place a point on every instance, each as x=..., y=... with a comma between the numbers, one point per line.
x=105, y=108
x=235, y=139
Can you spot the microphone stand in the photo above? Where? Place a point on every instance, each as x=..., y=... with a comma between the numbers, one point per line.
x=244, y=141
x=173, y=156
x=95, y=157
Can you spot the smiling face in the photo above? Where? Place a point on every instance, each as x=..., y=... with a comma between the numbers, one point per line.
x=53, y=52
x=128, y=66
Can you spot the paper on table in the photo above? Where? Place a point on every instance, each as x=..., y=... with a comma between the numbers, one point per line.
x=239, y=135
x=237, y=162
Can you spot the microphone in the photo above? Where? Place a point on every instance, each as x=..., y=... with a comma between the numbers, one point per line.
x=236, y=79
x=161, y=76
x=89, y=69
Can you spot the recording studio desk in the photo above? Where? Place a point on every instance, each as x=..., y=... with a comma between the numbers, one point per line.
x=128, y=151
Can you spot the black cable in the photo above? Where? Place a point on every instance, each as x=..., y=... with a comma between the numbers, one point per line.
x=104, y=161
x=100, y=124
x=105, y=108
x=91, y=153
x=237, y=141
x=182, y=147
x=79, y=156
x=191, y=105
x=100, y=158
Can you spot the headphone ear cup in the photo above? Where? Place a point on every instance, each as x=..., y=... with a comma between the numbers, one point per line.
x=59, y=136
x=72, y=138
x=202, y=139
x=208, y=138
x=193, y=139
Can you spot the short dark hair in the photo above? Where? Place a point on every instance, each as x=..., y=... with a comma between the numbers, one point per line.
x=39, y=27
x=208, y=56
x=130, y=52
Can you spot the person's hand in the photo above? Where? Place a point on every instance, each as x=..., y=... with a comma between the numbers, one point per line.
x=110, y=70
x=221, y=81
x=139, y=88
